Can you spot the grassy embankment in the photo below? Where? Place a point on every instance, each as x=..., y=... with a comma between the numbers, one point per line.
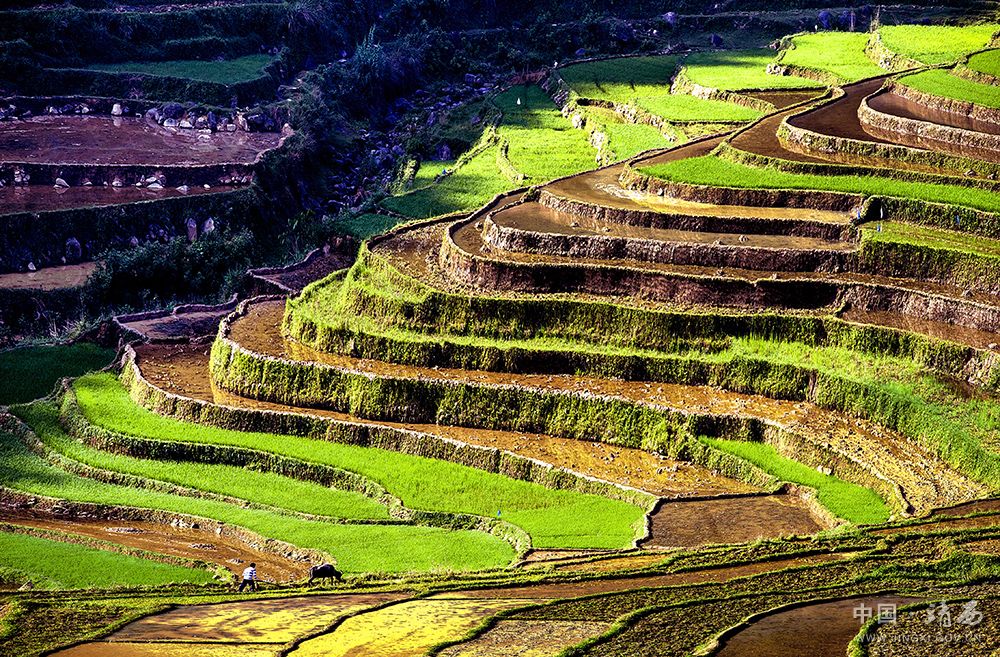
x=940, y=82
x=739, y=70
x=904, y=393
x=645, y=83
x=852, y=502
x=987, y=62
x=543, y=145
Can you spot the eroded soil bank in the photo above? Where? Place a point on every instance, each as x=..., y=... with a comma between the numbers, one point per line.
x=185, y=542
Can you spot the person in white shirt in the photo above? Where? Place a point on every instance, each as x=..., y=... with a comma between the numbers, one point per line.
x=249, y=578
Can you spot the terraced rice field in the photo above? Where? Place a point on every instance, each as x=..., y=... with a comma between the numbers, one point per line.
x=225, y=72
x=710, y=399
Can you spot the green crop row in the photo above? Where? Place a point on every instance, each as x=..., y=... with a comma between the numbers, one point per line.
x=922, y=253
x=375, y=291
x=737, y=70
x=987, y=62
x=553, y=518
x=543, y=143
x=841, y=54
x=709, y=171
x=52, y=564
x=764, y=354
x=513, y=408
x=357, y=548
x=468, y=187
x=943, y=83
x=259, y=488
x=645, y=83
x=227, y=71
x=624, y=139
x=936, y=44
x=851, y=502
x=31, y=372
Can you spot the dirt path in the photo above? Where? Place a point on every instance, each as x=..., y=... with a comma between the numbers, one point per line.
x=179, y=325
x=926, y=480
x=200, y=544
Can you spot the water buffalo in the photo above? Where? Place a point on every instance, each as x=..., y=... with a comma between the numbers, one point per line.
x=325, y=571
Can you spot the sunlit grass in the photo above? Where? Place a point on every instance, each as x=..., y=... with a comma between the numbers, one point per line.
x=714, y=171
x=897, y=232
x=543, y=143
x=366, y=225
x=737, y=70
x=986, y=62
x=625, y=139
x=469, y=187
x=645, y=82
x=936, y=44
x=938, y=82
x=358, y=548
x=264, y=488
x=840, y=53
x=31, y=372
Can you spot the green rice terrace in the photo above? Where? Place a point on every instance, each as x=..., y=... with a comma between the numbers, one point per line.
x=382, y=330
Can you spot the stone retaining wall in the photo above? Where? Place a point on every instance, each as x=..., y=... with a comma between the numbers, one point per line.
x=719, y=290
x=632, y=178
x=875, y=153
x=715, y=223
x=604, y=247
x=961, y=108
x=931, y=136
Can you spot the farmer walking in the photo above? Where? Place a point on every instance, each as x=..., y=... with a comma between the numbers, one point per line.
x=249, y=579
